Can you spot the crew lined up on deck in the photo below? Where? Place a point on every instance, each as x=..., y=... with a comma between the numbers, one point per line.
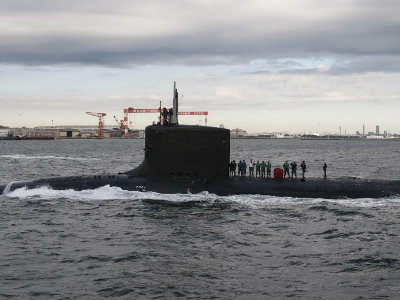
x=242, y=168
x=263, y=169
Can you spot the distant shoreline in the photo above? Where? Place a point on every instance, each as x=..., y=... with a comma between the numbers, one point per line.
x=238, y=138
x=313, y=138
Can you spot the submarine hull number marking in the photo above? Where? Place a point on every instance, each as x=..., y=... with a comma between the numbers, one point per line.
x=141, y=187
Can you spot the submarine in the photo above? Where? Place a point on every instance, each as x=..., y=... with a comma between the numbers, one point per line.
x=194, y=159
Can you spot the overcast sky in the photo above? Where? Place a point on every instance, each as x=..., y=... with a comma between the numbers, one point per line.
x=259, y=65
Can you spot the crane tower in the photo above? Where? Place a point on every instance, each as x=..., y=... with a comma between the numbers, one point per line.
x=101, y=122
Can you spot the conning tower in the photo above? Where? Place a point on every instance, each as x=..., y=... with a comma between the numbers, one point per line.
x=173, y=150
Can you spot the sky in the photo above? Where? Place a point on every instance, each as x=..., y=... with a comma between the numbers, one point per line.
x=301, y=66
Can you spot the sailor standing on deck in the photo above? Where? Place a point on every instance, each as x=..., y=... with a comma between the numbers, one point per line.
x=251, y=168
x=269, y=167
x=258, y=168
x=263, y=165
x=286, y=169
x=231, y=168
x=294, y=168
x=303, y=168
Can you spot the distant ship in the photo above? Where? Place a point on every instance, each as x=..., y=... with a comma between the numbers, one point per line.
x=194, y=159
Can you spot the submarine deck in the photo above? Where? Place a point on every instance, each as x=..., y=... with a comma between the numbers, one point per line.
x=310, y=188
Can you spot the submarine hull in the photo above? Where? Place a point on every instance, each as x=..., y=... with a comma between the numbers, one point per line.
x=194, y=159
x=310, y=188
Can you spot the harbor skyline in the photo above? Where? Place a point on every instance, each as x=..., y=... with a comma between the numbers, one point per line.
x=91, y=131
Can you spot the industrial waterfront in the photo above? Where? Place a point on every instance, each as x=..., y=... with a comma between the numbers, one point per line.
x=115, y=132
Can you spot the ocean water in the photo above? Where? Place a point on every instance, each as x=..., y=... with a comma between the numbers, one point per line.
x=110, y=243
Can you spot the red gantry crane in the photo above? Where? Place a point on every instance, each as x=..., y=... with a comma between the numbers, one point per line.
x=119, y=122
x=132, y=110
x=101, y=122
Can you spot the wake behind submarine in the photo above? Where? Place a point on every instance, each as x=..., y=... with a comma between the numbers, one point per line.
x=195, y=159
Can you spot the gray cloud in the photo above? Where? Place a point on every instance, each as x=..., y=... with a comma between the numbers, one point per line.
x=387, y=63
x=353, y=64
x=123, y=33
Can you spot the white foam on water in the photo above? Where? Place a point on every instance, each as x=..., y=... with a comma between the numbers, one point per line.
x=45, y=192
x=8, y=187
x=363, y=202
x=23, y=156
x=254, y=201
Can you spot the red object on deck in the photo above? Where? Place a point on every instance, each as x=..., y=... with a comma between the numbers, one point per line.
x=278, y=173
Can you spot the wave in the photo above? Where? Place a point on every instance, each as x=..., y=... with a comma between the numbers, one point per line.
x=7, y=189
x=23, y=156
x=108, y=192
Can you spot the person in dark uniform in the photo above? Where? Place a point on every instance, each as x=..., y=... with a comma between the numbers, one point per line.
x=258, y=168
x=294, y=169
x=269, y=167
x=231, y=168
x=303, y=168
x=263, y=165
x=244, y=167
x=324, y=168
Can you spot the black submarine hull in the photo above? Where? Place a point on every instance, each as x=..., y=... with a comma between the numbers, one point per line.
x=310, y=188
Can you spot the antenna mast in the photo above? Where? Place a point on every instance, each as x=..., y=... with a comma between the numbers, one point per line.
x=174, y=116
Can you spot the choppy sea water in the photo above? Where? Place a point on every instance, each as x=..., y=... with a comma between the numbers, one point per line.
x=111, y=243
